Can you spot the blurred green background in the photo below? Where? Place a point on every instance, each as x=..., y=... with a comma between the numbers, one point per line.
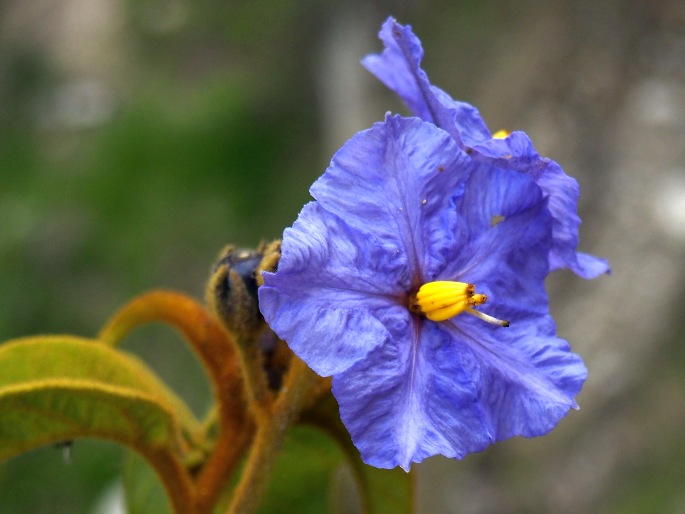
x=137, y=138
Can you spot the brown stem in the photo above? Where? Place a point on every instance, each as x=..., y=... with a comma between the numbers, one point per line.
x=222, y=463
x=176, y=481
x=301, y=387
x=217, y=353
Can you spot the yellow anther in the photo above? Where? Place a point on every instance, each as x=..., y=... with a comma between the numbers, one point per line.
x=501, y=134
x=442, y=300
x=444, y=288
x=447, y=312
x=496, y=219
x=479, y=299
x=440, y=286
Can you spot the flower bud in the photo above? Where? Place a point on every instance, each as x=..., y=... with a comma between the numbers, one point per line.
x=232, y=290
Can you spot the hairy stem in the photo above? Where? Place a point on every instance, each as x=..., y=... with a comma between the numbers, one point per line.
x=301, y=388
x=176, y=481
x=218, y=355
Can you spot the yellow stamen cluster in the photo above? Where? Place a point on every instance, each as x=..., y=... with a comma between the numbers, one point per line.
x=442, y=300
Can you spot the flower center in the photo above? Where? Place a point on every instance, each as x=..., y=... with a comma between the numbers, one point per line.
x=443, y=299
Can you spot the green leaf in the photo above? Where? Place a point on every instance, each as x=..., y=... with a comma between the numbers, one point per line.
x=302, y=477
x=308, y=479
x=382, y=491
x=386, y=491
x=144, y=492
x=56, y=388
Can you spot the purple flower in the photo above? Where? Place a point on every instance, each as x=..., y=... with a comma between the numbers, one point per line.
x=399, y=68
x=397, y=281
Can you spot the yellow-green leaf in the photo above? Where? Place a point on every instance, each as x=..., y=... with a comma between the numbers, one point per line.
x=57, y=410
x=54, y=388
x=143, y=491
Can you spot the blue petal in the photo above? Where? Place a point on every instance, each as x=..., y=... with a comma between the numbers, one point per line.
x=414, y=397
x=563, y=192
x=516, y=152
x=588, y=266
x=492, y=195
x=506, y=260
x=397, y=183
x=453, y=389
x=399, y=68
x=336, y=294
x=528, y=377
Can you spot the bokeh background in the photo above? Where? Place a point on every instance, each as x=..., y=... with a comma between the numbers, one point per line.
x=137, y=137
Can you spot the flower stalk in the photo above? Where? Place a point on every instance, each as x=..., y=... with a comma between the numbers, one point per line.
x=301, y=388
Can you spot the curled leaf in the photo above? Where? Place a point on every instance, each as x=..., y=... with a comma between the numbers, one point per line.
x=54, y=388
